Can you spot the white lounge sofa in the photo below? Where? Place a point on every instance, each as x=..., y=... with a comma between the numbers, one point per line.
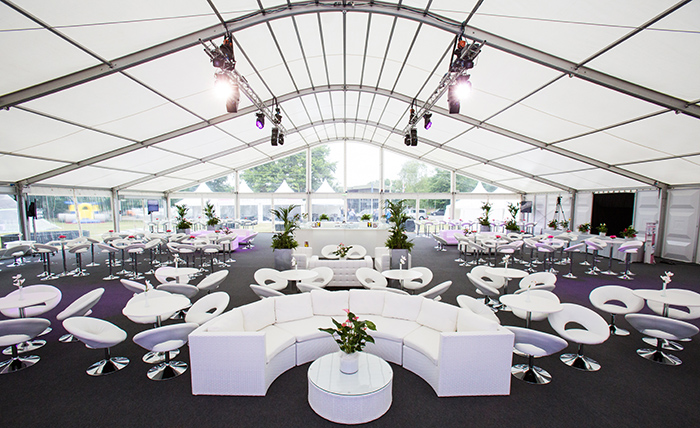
x=456, y=351
x=343, y=270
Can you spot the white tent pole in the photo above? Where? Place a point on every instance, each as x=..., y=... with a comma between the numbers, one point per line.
x=115, y=210
x=77, y=213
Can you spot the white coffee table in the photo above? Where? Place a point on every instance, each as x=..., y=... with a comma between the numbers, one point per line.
x=350, y=398
x=296, y=275
x=401, y=275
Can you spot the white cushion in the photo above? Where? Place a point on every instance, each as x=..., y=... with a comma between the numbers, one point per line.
x=307, y=328
x=276, y=341
x=391, y=328
x=469, y=321
x=259, y=315
x=366, y=301
x=438, y=316
x=230, y=321
x=294, y=307
x=325, y=303
x=402, y=306
x=426, y=341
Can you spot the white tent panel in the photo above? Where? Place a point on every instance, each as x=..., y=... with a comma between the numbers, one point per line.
x=147, y=160
x=674, y=58
x=160, y=184
x=541, y=162
x=117, y=29
x=248, y=72
x=529, y=185
x=377, y=108
x=489, y=172
x=18, y=67
x=488, y=144
x=573, y=33
x=199, y=172
x=453, y=9
x=325, y=105
x=671, y=171
x=202, y=143
x=243, y=130
x=444, y=128
x=364, y=104
x=307, y=25
x=332, y=28
x=151, y=123
x=355, y=45
x=395, y=142
x=395, y=113
x=207, y=104
x=594, y=179
x=444, y=158
x=609, y=149
x=15, y=123
x=537, y=124
x=76, y=147
x=339, y=105
x=15, y=168
x=669, y=132
x=92, y=177
x=418, y=4
x=292, y=112
x=587, y=104
x=243, y=157
x=299, y=71
x=396, y=54
x=311, y=108
x=479, y=105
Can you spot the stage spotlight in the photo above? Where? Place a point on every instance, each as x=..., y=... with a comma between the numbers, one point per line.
x=223, y=86
x=275, y=136
x=280, y=138
x=458, y=91
x=427, y=120
x=260, y=120
x=414, y=137
x=278, y=116
x=407, y=139
x=233, y=99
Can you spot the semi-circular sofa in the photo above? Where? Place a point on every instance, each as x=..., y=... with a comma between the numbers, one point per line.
x=457, y=352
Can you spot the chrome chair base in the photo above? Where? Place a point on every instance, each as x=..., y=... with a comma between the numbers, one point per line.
x=158, y=357
x=105, y=367
x=167, y=370
x=531, y=374
x=667, y=345
x=51, y=277
x=609, y=272
x=17, y=363
x=580, y=362
x=25, y=347
x=659, y=357
x=617, y=331
x=591, y=272
x=625, y=277
x=68, y=338
x=570, y=276
x=110, y=278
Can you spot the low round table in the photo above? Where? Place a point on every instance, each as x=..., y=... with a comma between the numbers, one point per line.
x=401, y=275
x=350, y=398
x=296, y=275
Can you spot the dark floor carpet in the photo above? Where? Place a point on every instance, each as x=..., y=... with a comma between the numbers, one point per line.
x=627, y=391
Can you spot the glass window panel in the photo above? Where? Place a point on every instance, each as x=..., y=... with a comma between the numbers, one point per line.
x=9, y=222
x=327, y=167
x=434, y=208
x=225, y=184
x=258, y=211
x=405, y=175
x=334, y=209
x=468, y=185
x=56, y=216
x=284, y=203
x=95, y=215
x=194, y=212
x=272, y=176
x=363, y=168
x=358, y=207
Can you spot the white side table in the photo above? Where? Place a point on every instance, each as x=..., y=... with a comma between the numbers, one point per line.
x=350, y=398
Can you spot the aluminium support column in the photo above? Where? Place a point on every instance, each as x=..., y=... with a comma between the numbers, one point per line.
x=116, y=212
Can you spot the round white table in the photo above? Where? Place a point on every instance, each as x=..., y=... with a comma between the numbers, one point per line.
x=611, y=242
x=401, y=274
x=507, y=273
x=296, y=275
x=28, y=299
x=525, y=302
x=670, y=296
x=350, y=398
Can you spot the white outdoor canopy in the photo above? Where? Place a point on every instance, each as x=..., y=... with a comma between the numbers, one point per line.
x=567, y=96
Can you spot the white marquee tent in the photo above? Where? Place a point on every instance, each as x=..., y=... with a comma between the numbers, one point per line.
x=567, y=97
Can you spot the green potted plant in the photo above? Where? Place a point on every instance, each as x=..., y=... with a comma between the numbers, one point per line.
x=283, y=242
x=366, y=217
x=564, y=224
x=512, y=224
x=323, y=217
x=584, y=227
x=212, y=219
x=183, y=225
x=602, y=229
x=484, y=220
x=552, y=224
x=398, y=240
x=351, y=336
x=629, y=232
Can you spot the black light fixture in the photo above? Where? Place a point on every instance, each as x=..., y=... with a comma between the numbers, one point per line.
x=427, y=120
x=458, y=91
x=407, y=139
x=260, y=120
x=278, y=115
x=233, y=99
x=275, y=136
x=414, y=137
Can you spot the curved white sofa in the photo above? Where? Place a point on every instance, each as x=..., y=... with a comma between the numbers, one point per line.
x=456, y=351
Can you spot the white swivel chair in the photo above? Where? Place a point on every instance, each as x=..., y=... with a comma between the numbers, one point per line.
x=208, y=307
x=46, y=251
x=537, y=279
x=166, y=339
x=327, y=251
x=81, y=307
x=487, y=285
x=577, y=248
x=660, y=328
x=629, y=248
x=111, y=259
x=357, y=252
x=79, y=250
x=477, y=307
x=370, y=278
x=98, y=334
x=133, y=286
x=616, y=300
x=534, y=344
x=14, y=332
x=435, y=292
x=589, y=329
x=325, y=275
x=166, y=274
x=679, y=312
x=307, y=288
x=33, y=311
x=270, y=278
x=426, y=275
x=595, y=246
x=213, y=281
x=263, y=291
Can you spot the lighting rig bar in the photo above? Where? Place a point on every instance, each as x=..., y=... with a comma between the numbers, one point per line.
x=462, y=61
x=227, y=64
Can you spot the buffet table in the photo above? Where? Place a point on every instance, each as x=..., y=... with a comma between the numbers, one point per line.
x=368, y=237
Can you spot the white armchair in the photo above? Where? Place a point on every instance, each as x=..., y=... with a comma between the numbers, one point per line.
x=302, y=256
x=382, y=259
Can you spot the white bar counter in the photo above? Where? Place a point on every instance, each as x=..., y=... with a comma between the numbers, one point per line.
x=319, y=237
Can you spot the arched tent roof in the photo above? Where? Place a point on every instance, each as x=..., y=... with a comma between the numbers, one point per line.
x=585, y=96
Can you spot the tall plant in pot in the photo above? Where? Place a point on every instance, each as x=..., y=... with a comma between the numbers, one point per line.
x=283, y=242
x=210, y=213
x=512, y=224
x=183, y=225
x=398, y=240
x=484, y=220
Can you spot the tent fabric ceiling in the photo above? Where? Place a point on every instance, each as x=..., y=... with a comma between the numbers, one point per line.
x=584, y=96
